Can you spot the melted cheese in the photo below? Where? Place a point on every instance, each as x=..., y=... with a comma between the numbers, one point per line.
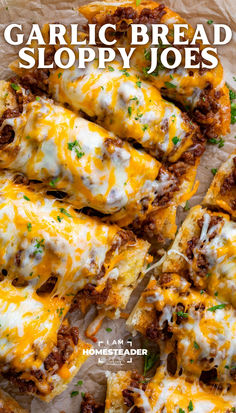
x=166, y=394
x=70, y=154
x=41, y=237
x=123, y=104
x=205, y=338
x=28, y=326
x=220, y=253
x=186, y=86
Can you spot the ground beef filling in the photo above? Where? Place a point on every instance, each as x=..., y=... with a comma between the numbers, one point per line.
x=202, y=263
x=67, y=339
x=89, y=293
x=137, y=381
x=89, y=405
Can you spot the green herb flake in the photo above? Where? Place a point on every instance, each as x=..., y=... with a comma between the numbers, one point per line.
x=124, y=71
x=59, y=218
x=82, y=394
x=129, y=111
x=150, y=360
x=79, y=383
x=15, y=87
x=102, y=87
x=170, y=85
x=139, y=83
x=182, y=314
x=145, y=127
x=138, y=2
x=216, y=307
x=26, y=198
x=195, y=345
x=60, y=311
x=202, y=291
x=175, y=140
x=214, y=171
x=37, y=98
x=74, y=393
x=53, y=182
x=111, y=69
x=190, y=406
x=209, y=22
x=29, y=226
x=64, y=211
x=108, y=329
x=186, y=206
x=59, y=75
x=216, y=294
x=181, y=410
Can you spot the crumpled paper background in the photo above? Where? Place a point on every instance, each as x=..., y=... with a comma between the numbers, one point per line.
x=27, y=12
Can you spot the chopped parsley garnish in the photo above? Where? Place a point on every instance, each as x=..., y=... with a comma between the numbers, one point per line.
x=147, y=54
x=220, y=142
x=79, y=383
x=138, y=2
x=64, y=211
x=216, y=307
x=150, y=360
x=216, y=294
x=26, y=198
x=145, y=127
x=232, y=96
x=187, y=206
x=108, y=329
x=226, y=367
x=124, y=71
x=74, y=393
x=59, y=75
x=37, y=98
x=129, y=110
x=82, y=394
x=209, y=21
x=102, y=87
x=170, y=85
x=15, y=87
x=181, y=410
x=202, y=291
x=190, y=406
x=139, y=83
x=172, y=77
x=111, y=69
x=29, y=226
x=175, y=140
x=74, y=145
x=214, y=171
x=208, y=274
x=195, y=345
x=182, y=314
x=136, y=100
x=39, y=245
x=234, y=77
x=53, y=182
x=59, y=218
x=27, y=137
x=60, y=311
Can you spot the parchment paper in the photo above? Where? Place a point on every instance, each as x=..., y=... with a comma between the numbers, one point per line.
x=35, y=11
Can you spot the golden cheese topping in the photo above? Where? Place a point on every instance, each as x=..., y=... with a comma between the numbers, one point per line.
x=222, y=192
x=125, y=105
x=42, y=238
x=177, y=395
x=28, y=325
x=203, y=328
x=166, y=394
x=220, y=253
x=88, y=164
x=180, y=84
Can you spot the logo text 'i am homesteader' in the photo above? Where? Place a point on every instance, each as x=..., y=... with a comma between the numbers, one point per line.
x=111, y=353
